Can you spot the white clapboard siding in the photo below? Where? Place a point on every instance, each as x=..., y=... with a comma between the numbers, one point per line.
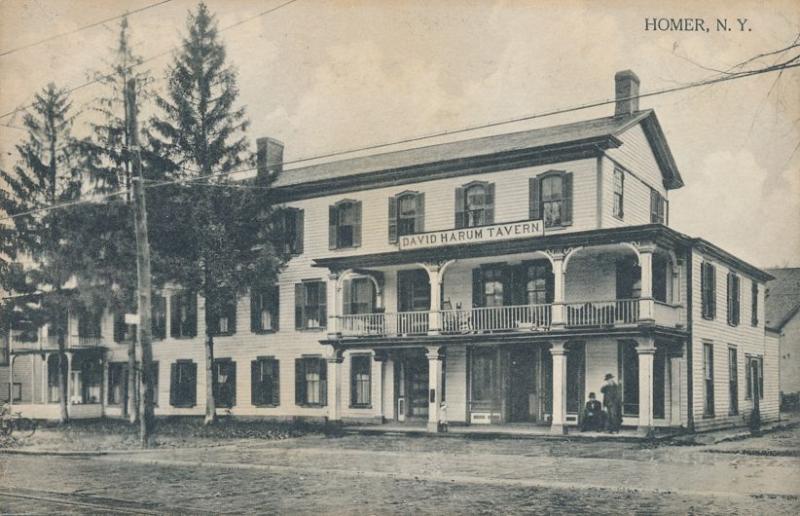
x=746, y=338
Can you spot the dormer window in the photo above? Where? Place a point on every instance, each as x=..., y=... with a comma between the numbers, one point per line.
x=475, y=205
x=551, y=198
x=344, y=224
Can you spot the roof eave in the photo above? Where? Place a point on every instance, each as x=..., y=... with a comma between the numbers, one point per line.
x=658, y=143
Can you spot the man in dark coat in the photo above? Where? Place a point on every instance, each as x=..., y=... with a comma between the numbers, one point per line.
x=592, y=415
x=612, y=401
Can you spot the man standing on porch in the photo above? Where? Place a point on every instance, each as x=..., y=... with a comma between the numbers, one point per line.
x=612, y=401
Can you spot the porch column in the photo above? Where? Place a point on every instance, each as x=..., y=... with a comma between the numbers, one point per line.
x=45, y=372
x=167, y=314
x=377, y=401
x=559, y=296
x=335, y=387
x=332, y=293
x=646, y=349
x=434, y=388
x=646, y=308
x=11, y=379
x=69, y=380
x=559, y=353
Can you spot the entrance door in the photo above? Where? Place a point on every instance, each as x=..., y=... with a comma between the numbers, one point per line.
x=523, y=399
x=411, y=375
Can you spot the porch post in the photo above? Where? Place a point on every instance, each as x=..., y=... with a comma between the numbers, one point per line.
x=646, y=349
x=558, y=319
x=332, y=293
x=559, y=353
x=434, y=388
x=45, y=372
x=167, y=314
x=335, y=387
x=69, y=380
x=646, y=308
x=380, y=359
x=11, y=379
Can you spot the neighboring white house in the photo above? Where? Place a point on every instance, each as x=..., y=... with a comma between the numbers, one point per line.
x=503, y=275
x=783, y=316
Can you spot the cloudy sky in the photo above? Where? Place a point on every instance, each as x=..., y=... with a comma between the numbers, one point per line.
x=324, y=76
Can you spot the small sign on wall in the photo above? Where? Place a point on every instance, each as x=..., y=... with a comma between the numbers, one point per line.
x=493, y=233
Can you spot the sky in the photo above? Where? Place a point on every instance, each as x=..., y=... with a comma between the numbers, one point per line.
x=324, y=76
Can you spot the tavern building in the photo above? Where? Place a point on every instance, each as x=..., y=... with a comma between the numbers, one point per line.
x=494, y=280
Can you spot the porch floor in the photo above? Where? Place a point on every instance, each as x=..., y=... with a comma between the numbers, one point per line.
x=508, y=431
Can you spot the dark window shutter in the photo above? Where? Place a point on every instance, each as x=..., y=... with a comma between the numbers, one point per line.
x=477, y=287
x=276, y=383
x=192, y=319
x=323, y=382
x=173, y=382
x=323, y=308
x=550, y=286
x=232, y=382
x=730, y=298
x=299, y=230
x=119, y=327
x=534, y=198
x=332, y=226
x=357, y=224
x=347, y=297
x=460, y=207
x=255, y=310
x=275, y=294
x=712, y=279
x=622, y=194
x=419, y=219
x=392, y=220
x=299, y=303
x=256, y=390
x=174, y=315
x=193, y=390
x=489, y=206
x=231, y=308
x=299, y=382
x=566, y=214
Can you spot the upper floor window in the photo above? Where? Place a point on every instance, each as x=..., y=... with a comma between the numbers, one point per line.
x=489, y=286
x=183, y=314
x=708, y=290
x=264, y=309
x=475, y=204
x=658, y=208
x=539, y=284
x=344, y=224
x=406, y=215
x=550, y=198
x=754, y=304
x=733, y=299
x=629, y=279
x=222, y=319
x=4, y=351
x=359, y=296
x=158, y=318
x=292, y=221
x=310, y=311
x=619, y=191
x=90, y=322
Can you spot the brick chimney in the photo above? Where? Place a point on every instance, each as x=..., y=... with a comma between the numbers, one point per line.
x=269, y=158
x=626, y=85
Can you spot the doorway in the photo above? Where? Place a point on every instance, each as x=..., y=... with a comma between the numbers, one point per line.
x=524, y=397
x=411, y=386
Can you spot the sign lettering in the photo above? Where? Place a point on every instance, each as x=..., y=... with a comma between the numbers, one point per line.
x=480, y=234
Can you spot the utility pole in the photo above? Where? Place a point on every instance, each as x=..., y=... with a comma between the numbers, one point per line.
x=144, y=328
x=131, y=408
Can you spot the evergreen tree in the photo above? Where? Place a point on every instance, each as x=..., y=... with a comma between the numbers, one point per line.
x=45, y=174
x=209, y=234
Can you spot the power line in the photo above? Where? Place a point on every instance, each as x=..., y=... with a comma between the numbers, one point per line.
x=79, y=29
x=696, y=84
x=151, y=58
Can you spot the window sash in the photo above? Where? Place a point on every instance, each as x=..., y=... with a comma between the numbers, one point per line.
x=733, y=381
x=361, y=381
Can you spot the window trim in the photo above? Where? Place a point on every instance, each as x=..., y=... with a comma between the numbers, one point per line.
x=227, y=361
x=536, y=199
x=618, y=211
x=754, y=293
x=322, y=287
x=191, y=296
x=335, y=240
x=323, y=382
x=708, y=291
x=734, y=303
x=733, y=379
x=173, y=401
x=659, y=208
x=270, y=291
x=489, y=202
x=276, y=381
x=708, y=408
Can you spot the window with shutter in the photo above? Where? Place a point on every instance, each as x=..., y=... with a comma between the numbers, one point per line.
x=183, y=314
x=459, y=208
x=183, y=388
x=733, y=299
x=222, y=319
x=392, y=218
x=708, y=290
x=310, y=305
x=754, y=304
x=311, y=381
x=553, y=201
x=159, y=316
x=265, y=382
x=292, y=222
x=345, y=224
x=534, y=199
x=224, y=382
x=476, y=204
x=657, y=208
x=264, y=309
x=360, y=381
x=619, y=191
x=708, y=379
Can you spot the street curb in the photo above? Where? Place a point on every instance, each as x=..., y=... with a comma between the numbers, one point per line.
x=503, y=435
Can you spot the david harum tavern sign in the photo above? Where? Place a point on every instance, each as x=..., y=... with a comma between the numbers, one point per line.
x=492, y=233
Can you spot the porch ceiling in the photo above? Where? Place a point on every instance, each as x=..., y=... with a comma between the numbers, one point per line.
x=657, y=233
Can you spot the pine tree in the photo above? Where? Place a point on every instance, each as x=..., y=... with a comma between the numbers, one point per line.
x=46, y=173
x=211, y=235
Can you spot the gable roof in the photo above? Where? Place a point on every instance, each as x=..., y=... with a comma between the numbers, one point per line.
x=548, y=137
x=783, y=296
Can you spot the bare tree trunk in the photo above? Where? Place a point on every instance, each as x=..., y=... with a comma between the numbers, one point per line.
x=211, y=408
x=133, y=384
x=63, y=414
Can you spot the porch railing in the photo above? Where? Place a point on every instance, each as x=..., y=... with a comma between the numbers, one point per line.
x=50, y=342
x=497, y=318
x=602, y=313
x=385, y=324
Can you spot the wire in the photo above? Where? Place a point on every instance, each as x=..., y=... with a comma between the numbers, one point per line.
x=147, y=60
x=696, y=84
x=74, y=31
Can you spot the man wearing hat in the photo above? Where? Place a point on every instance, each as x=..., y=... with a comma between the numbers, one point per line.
x=612, y=401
